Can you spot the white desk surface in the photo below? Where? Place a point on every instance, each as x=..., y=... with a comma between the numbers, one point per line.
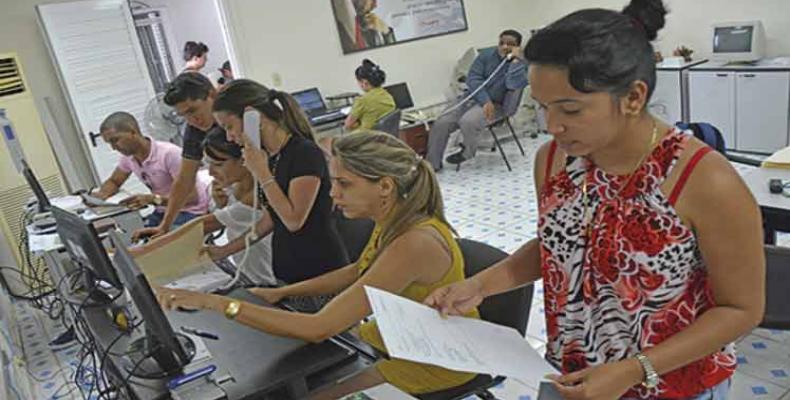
x=757, y=180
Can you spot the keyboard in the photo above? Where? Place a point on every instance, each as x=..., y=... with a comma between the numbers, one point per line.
x=328, y=117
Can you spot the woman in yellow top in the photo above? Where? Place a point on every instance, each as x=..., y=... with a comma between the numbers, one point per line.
x=411, y=252
x=375, y=103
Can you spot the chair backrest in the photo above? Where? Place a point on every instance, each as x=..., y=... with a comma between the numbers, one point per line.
x=511, y=102
x=707, y=133
x=354, y=233
x=508, y=309
x=389, y=123
x=777, y=288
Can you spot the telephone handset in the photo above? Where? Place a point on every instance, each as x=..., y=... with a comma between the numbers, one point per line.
x=252, y=126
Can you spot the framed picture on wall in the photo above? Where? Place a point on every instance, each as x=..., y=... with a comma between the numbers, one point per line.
x=368, y=24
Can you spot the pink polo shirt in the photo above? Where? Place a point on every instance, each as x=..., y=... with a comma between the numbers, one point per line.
x=160, y=170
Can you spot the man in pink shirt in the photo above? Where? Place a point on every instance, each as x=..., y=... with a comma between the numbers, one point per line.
x=155, y=163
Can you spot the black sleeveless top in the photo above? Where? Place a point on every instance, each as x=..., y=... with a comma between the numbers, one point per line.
x=316, y=248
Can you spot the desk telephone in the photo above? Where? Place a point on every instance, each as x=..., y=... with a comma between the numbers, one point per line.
x=414, y=116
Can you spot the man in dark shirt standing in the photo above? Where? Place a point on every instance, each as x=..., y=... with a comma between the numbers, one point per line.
x=471, y=117
x=193, y=96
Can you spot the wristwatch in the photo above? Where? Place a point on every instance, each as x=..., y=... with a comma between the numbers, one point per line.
x=232, y=310
x=651, y=376
x=158, y=200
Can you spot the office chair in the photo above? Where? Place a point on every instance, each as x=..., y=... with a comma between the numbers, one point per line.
x=713, y=137
x=354, y=233
x=777, y=282
x=389, y=123
x=509, y=109
x=508, y=309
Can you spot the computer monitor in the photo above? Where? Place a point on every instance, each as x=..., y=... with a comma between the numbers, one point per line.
x=400, y=92
x=310, y=100
x=21, y=165
x=84, y=246
x=162, y=352
x=41, y=196
x=738, y=41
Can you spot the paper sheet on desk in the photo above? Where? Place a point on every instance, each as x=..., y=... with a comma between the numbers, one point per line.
x=415, y=332
x=43, y=243
x=70, y=203
x=163, y=264
x=780, y=159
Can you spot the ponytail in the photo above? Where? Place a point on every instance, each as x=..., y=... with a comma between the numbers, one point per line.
x=376, y=155
x=242, y=93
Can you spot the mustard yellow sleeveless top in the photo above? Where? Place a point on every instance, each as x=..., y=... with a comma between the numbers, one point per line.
x=411, y=377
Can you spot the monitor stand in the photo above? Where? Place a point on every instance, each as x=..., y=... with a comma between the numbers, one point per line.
x=151, y=360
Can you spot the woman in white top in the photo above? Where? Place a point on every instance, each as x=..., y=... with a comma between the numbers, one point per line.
x=236, y=216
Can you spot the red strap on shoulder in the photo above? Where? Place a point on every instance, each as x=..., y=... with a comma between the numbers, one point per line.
x=684, y=176
x=550, y=160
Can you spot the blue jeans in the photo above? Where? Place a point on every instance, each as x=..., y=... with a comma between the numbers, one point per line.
x=718, y=392
x=156, y=218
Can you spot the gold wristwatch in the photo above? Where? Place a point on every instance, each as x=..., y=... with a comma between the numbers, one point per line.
x=232, y=310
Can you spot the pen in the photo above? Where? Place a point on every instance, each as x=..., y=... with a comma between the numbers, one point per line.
x=186, y=378
x=197, y=332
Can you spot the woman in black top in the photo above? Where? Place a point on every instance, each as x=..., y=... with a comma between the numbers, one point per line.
x=293, y=181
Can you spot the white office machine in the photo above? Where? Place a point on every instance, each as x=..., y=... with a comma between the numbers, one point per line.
x=738, y=42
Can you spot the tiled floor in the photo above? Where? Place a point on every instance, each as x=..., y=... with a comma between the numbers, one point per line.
x=484, y=202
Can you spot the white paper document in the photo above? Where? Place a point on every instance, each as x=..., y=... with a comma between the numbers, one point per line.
x=42, y=243
x=415, y=332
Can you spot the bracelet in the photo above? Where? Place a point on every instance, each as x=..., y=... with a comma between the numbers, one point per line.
x=267, y=182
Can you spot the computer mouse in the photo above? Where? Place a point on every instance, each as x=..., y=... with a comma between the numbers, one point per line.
x=776, y=186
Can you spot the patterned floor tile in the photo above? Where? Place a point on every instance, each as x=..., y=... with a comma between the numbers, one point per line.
x=747, y=387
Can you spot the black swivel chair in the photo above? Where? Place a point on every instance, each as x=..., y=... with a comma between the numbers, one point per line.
x=354, y=233
x=508, y=309
x=389, y=123
x=777, y=282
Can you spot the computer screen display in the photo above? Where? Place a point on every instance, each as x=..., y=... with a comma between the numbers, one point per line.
x=84, y=246
x=310, y=100
x=400, y=92
x=733, y=39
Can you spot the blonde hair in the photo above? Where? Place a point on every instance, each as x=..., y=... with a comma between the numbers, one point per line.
x=375, y=155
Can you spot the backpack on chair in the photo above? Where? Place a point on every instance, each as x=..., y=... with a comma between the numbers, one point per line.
x=706, y=133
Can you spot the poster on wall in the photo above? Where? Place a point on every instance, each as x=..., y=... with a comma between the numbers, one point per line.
x=367, y=24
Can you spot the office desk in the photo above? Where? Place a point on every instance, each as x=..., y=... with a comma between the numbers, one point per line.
x=775, y=207
x=262, y=365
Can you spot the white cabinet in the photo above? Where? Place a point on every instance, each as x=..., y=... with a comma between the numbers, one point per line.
x=667, y=99
x=749, y=105
x=762, y=104
x=712, y=100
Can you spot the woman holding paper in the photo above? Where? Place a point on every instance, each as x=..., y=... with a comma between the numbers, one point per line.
x=411, y=252
x=650, y=245
x=227, y=167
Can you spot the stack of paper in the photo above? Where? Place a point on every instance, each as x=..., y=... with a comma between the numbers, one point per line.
x=780, y=159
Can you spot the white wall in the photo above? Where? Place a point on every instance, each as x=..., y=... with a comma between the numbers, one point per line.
x=198, y=21
x=298, y=40
x=689, y=21
x=20, y=33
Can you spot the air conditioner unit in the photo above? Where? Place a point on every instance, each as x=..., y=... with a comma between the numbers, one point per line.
x=20, y=107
